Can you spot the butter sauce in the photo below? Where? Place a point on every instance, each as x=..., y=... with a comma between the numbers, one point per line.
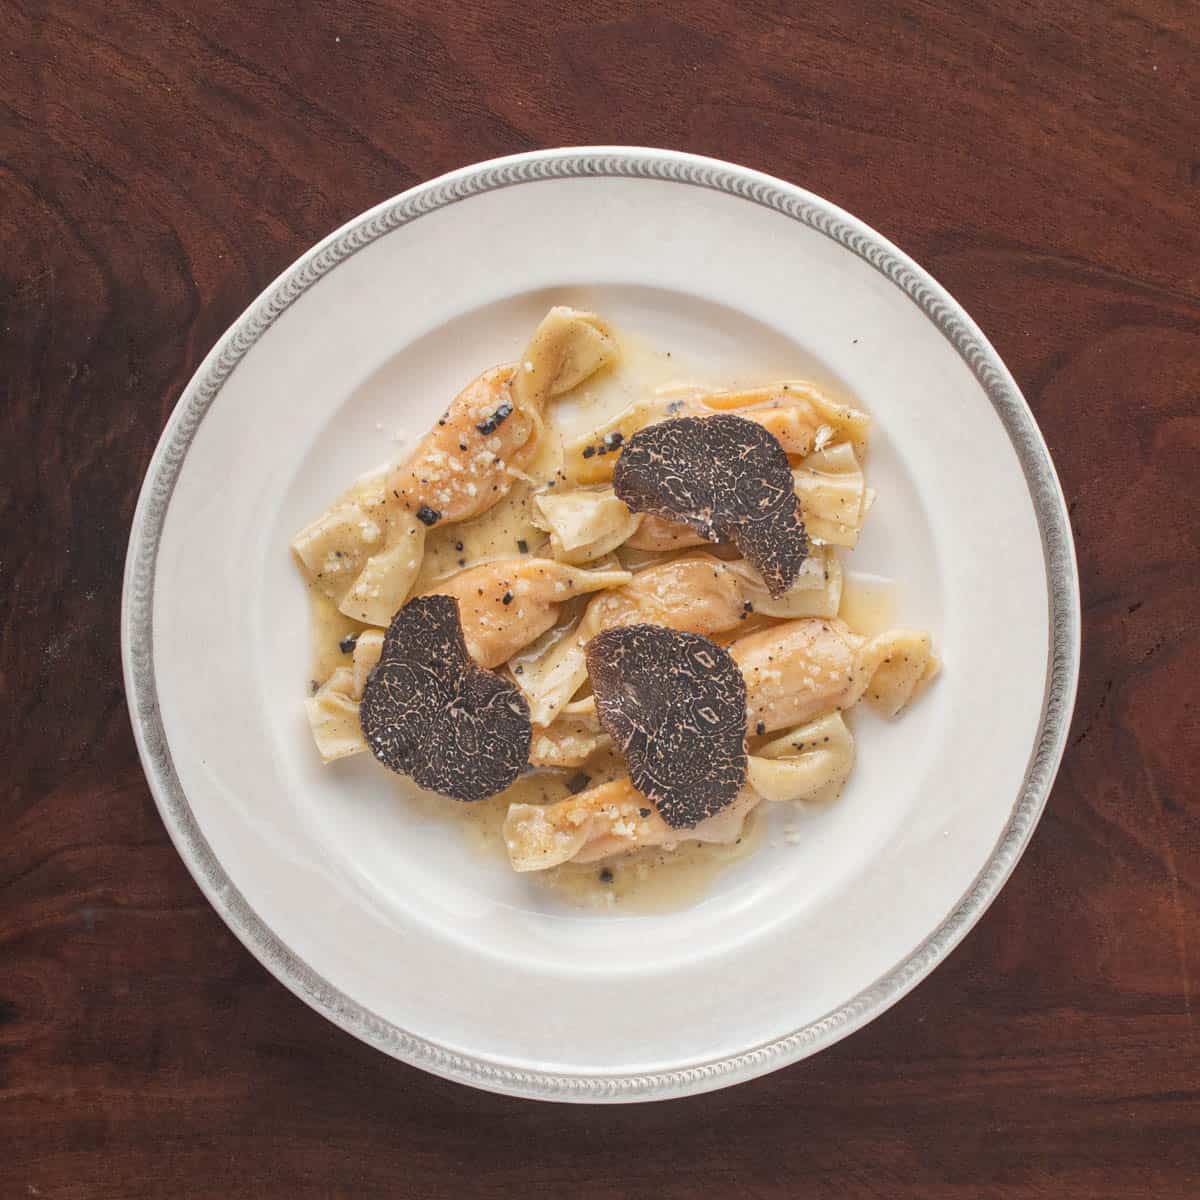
x=868, y=603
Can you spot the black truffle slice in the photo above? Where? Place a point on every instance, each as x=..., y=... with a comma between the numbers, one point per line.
x=724, y=477
x=675, y=703
x=428, y=711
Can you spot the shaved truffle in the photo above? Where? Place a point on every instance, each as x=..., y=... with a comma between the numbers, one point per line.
x=429, y=712
x=675, y=703
x=724, y=477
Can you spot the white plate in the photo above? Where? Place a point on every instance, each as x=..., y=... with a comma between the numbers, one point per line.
x=379, y=918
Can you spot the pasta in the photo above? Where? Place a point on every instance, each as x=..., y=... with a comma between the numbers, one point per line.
x=366, y=551
x=801, y=417
x=808, y=763
x=524, y=530
x=696, y=594
x=333, y=717
x=507, y=604
x=833, y=494
x=585, y=525
x=573, y=737
x=606, y=820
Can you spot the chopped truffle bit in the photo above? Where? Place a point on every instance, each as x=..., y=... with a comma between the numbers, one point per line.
x=347, y=644
x=606, y=875
x=458, y=546
x=522, y=545
x=643, y=813
x=313, y=686
x=578, y=782
x=724, y=477
x=429, y=712
x=507, y=598
x=675, y=703
x=760, y=728
x=427, y=515
x=589, y=452
x=498, y=417
x=613, y=440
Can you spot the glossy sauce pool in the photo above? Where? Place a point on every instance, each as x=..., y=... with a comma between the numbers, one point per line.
x=869, y=602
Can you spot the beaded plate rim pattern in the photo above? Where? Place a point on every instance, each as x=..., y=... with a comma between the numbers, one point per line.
x=1064, y=621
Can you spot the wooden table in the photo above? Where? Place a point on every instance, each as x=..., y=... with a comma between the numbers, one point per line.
x=160, y=163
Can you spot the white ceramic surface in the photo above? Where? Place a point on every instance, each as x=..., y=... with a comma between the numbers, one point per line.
x=384, y=921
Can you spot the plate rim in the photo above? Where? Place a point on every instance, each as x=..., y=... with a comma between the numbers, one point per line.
x=1058, y=550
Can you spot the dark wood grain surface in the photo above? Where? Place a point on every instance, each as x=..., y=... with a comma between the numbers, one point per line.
x=161, y=162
